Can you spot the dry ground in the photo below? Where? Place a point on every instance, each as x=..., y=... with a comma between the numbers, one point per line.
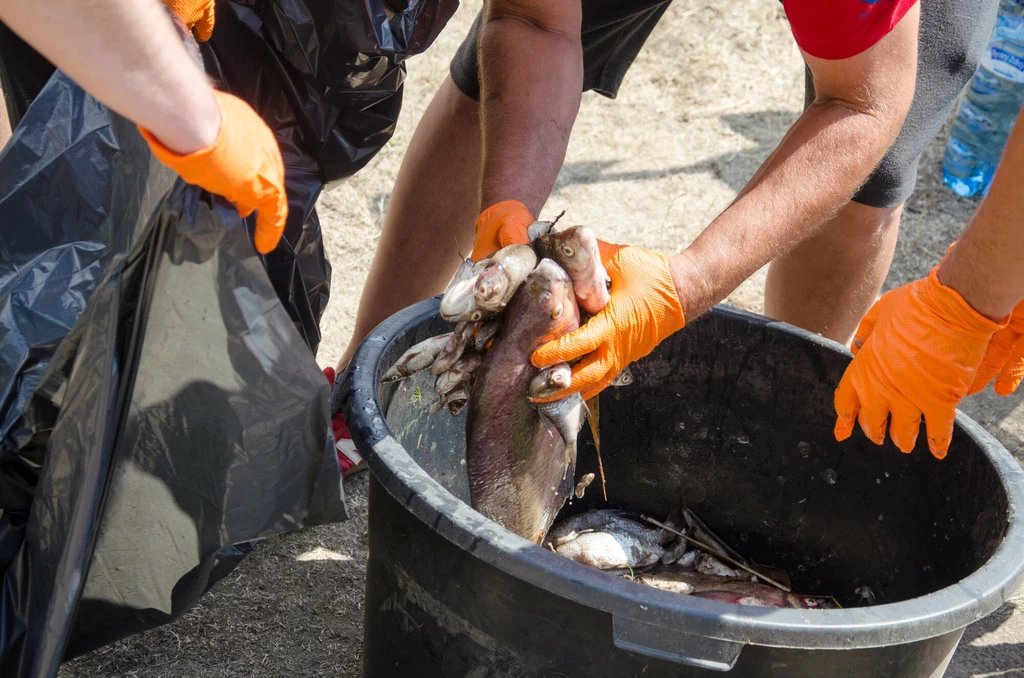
x=708, y=98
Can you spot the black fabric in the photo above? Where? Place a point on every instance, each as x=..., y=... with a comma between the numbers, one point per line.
x=952, y=38
x=612, y=33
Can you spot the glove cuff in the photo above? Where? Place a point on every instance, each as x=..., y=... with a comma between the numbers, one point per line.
x=955, y=312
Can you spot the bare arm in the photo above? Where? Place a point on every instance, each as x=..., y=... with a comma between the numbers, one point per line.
x=531, y=64
x=987, y=265
x=125, y=53
x=826, y=155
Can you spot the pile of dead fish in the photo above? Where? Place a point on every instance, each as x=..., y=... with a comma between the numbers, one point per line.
x=679, y=555
x=520, y=456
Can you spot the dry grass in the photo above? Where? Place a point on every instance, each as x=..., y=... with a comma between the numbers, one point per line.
x=708, y=98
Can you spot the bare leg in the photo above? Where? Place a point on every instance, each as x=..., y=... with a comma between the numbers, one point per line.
x=5, y=124
x=828, y=282
x=433, y=206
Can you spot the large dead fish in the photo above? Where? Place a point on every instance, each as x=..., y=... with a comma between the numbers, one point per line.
x=519, y=476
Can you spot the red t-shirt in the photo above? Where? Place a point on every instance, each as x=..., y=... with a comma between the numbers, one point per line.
x=839, y=29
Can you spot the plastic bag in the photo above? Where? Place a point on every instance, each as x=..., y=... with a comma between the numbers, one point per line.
x=159, y=409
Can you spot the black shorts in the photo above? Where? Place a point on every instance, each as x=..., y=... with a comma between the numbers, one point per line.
x=953, y=35
x=612, y=33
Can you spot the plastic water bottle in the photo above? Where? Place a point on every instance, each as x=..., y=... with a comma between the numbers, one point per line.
x=989, y=107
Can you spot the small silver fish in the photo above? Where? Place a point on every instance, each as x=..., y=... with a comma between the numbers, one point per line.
x=485, y=333
x=566, y=415
x=708, y=564
x=457, y=302
x=419, y=357
x=506, y=270
x=453, y=349
x=625, y=378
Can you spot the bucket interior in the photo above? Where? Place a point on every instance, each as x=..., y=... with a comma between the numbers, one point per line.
x=733, y=417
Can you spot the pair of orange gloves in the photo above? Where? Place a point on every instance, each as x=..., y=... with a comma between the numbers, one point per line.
x=919, y=350
x=244, y=163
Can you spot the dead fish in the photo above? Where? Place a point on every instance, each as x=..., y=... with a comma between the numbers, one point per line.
x=702, y=533
x=419, y=357
x=518, y=474
x=452, y=350
x=736, y=591
x=583, y=484
x=708, y=564
x=678, y=552
x=608, y=540
x=457, y=302
x=625, y=378
x=457, y=376
x=867, y=595
x=455, y=399
x=505, y=272
x=566, y=415
x=538, y=229
x=576, y=250
x=485, y=333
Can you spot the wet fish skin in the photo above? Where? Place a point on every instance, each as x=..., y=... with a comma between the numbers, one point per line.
x=457, y=302
x=606, y=519
x=576, y=250
x=418, y=358
x=538, y=229
x=708, y=564
x=453, y=349
x=566, y=416
x=487, y=331
x=610, y=550
x=506, y=271
x=518, y=475
x=729, y=590
x=550, y=380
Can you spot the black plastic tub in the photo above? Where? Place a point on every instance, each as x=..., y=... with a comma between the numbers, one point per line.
x=733, y=416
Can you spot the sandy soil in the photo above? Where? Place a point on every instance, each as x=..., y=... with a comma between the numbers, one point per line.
x=706, y=101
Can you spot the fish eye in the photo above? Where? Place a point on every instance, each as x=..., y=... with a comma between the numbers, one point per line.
x=556, y=311
x=476, y=315
x=568, y=251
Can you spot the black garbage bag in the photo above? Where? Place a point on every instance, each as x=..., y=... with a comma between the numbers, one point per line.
x=159, y=409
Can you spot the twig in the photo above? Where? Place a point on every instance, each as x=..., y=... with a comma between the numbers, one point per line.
x=560, y=215
x=722, y=556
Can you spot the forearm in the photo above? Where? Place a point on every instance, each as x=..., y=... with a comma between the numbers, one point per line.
x=127, y=55
x=818, y=166
x=531, y=81
x=987, y=265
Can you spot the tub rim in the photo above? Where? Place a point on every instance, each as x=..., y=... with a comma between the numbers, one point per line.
x=632, y=606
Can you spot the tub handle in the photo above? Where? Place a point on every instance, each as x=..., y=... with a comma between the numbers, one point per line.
x=672, y=645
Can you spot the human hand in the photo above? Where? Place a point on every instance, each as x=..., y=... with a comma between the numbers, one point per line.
x=244, y=165
x=916, y=352
x=643, y=309
x=1004, y=358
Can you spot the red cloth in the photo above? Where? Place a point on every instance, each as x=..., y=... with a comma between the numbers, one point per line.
x=840, y=29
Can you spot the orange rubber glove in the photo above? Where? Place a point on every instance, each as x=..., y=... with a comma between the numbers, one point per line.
x=501, y=225
x=1004, y=358
x=643, y=310
x=920, y=346
x=198, y=15
x=244, y=165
